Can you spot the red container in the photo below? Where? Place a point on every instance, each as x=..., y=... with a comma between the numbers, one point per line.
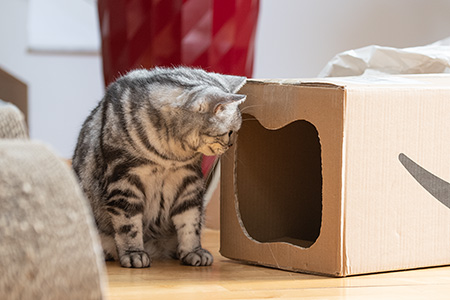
x=216, y=35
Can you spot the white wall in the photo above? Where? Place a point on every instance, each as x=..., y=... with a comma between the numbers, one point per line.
x=296, y=38
x=62, y=88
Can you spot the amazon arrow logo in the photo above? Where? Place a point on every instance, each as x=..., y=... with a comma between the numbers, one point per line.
x=438, y=188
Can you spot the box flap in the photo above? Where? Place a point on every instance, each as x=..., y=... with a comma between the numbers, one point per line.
x=387, y=81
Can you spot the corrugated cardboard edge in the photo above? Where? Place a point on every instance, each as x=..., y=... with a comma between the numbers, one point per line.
x=345, y=265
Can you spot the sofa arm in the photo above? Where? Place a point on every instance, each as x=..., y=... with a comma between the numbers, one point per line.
x=49, y=247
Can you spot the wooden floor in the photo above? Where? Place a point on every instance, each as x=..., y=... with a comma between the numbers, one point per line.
x=227, y=279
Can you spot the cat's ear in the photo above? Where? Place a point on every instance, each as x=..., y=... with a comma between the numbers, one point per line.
x=228, y=101
x=233, y=83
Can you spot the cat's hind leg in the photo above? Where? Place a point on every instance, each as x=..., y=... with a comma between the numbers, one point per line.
x=109, y=247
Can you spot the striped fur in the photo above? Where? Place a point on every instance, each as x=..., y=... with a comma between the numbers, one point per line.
x=138, y=160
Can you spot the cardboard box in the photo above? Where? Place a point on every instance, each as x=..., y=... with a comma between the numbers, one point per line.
x=340, y=176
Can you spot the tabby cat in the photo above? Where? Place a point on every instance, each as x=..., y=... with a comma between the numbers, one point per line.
x=138, y=160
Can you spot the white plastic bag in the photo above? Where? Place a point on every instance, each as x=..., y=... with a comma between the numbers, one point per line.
x=378, y=60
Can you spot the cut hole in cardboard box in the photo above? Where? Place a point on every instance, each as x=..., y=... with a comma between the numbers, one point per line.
x=317, y=181
x=295, y=183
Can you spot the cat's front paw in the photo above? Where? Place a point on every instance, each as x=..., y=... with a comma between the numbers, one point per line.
x=199, y=257
x=135, y=259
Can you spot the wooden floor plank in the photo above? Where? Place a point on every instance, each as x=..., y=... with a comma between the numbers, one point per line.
x=227, y=279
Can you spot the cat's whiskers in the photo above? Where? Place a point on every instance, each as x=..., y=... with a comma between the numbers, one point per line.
x=249, y=107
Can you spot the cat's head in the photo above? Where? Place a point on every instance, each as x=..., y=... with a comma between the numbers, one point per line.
x=200, y=109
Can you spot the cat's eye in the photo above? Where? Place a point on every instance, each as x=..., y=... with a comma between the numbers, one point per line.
x=230, y=133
